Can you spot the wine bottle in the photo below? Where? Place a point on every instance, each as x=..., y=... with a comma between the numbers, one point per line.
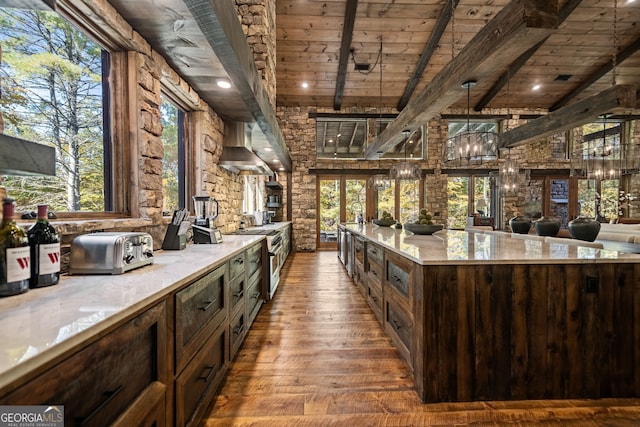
x=45, y=251
x=15, y=267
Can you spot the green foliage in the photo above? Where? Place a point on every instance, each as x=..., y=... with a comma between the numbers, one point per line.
x=52, y=95
x=170, y=178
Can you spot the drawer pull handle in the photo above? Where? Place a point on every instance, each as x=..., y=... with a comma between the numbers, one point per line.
x=238, y=329
x=397, y=279
x=374, y=298
x=396, y=325
x=108, y=397
x=209, y=371
x=207, y=305
x=238, y=294
x=239, y=261
x=255, y=295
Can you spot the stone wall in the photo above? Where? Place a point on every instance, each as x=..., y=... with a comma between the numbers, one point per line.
x=258, y=18
x=299, y=133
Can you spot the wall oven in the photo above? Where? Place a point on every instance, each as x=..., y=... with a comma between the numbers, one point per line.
x=275, y=249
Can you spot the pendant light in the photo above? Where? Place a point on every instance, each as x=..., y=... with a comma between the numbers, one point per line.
x=509, y=170
x=471, y=146
x=405, y=170
x=379, y=182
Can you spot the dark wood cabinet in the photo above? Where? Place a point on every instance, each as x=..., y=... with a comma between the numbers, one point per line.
x=200, y=308
x=99, y=383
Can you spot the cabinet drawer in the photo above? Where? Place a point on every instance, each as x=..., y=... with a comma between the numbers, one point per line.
x=237, y=290
x=399, y=326
x=254, y=300
x=374, y=298
x=200, y=308
x=196, y=386
x=399, y=277
x=375, y=273
x=254, y=259
x=98, y=383
x=236, y=266
x=237, y=332
x=375, y=253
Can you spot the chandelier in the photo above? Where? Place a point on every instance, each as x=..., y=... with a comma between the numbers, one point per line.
x=471, y=146
x=604, y=156
x=405, y=170
x=508, y=174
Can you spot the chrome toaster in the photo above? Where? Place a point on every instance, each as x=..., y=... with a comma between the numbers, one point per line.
x=110, y=252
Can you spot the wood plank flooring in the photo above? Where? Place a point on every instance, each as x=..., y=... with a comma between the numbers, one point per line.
x=316, y=356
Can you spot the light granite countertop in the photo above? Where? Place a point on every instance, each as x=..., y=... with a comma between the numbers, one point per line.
x=469, y=247
x=42, y=324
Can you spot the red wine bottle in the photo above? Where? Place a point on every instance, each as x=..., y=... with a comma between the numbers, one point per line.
x=15, y=257
x=45, y=251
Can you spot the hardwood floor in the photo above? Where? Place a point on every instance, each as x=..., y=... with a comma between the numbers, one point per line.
x=316, y=356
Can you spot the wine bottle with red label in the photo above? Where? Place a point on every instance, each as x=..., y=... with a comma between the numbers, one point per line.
x=45, y=251
x=15, y=256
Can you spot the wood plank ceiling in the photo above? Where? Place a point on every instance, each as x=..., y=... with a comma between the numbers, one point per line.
x=420, y=38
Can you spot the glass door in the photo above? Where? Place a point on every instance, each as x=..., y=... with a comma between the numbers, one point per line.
x=328, y=212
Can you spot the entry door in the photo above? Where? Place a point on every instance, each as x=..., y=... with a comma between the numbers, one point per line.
x=329, y=195
x=340, y=199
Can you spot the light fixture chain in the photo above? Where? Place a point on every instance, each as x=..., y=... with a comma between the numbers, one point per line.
x=453, y=29
x=614, y=58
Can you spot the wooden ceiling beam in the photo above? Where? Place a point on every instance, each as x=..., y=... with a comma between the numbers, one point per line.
x=345, y=49
x=619, y=99
x=429, y=49
x=624, y=54
x=218, y=21
x=516, y=28
x=565, y=11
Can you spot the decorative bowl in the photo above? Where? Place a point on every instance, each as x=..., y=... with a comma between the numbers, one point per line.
x=384, y=222
x=423, y=228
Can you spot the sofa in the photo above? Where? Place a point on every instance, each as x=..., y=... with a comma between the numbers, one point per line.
x=621, y=237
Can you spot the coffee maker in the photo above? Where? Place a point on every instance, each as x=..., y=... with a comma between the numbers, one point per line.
x=204, y=229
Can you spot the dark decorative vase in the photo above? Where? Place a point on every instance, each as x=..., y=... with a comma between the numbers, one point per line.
x=547, y=226
x=520, y=224
x=583, y=228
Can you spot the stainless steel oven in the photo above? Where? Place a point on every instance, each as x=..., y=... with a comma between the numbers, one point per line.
x=276, y=253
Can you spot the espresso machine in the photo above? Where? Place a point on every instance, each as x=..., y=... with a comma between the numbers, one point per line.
x=204, y=229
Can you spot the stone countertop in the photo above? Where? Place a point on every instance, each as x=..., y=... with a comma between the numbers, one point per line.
x=468, y=247
x=42, y=324
x=281, y=225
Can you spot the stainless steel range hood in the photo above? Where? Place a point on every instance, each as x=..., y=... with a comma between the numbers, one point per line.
x=237, y=155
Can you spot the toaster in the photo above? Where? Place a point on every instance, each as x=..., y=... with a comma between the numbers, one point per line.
x=110, y=252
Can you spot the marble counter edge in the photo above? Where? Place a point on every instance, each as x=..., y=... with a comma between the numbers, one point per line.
x=23, y=370
x=367, y=229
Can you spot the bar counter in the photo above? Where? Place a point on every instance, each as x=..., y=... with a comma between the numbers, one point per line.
x=486, y=316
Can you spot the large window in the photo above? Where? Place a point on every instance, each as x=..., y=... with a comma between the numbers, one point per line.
x=458, y=201
x=52, y=93
x=173, y=161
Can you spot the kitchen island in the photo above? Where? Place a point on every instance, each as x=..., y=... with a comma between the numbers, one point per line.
x=147, y=347
x=490, y=317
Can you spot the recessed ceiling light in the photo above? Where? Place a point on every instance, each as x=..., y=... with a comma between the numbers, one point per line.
x=305, y=85
x=281, y=168
x=268, y=149
x=536, y=87
x=223, y=83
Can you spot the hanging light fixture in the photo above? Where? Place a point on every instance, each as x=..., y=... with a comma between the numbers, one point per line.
x=405, y=170
x=509, y=170
x=605, y=156
x=379, y=182
x=471, y=146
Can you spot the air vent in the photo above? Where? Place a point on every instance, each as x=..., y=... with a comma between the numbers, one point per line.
x=563, y=77
x=362, y=67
